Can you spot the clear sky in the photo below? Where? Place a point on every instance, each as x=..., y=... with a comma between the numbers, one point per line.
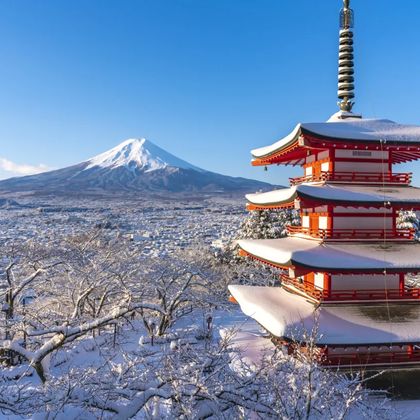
x=207, y=80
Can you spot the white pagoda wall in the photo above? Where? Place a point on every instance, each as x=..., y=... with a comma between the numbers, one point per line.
x=360, y=166
x=319, y=280
x=361, y=154
x=362, y=222
x=325, y=166
x=374, y=167
x=323, y=222
x=370, y=210
x=364, y=281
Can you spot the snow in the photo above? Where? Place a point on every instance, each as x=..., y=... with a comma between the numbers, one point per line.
x=138, y=154
x=366, y=129
x=285, y=195
x=246, y=335
x=349, y=129
x=264, y=151
x=335, y=256
x=287, y=315
x=341, y=115
x=339, y=193
x=408, y=409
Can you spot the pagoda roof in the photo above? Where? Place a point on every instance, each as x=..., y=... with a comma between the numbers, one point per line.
x=312, y=256
x=290, y=316
x=371, y=133
x=345, y=195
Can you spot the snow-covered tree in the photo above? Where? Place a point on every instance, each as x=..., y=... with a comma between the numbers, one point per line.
x=176, y=285
x=268, y=224
x=261, y=224
x=88, y=289
x=192, y=381
x=408, y=219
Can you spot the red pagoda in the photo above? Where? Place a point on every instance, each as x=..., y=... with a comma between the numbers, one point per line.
x=345, y=268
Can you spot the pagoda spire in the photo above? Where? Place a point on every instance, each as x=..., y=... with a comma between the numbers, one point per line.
x=346, y=59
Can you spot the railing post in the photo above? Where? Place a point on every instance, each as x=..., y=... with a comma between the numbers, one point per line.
x=410, y=351
x=401, y=284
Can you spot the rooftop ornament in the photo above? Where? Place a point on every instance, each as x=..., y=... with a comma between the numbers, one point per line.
x=346, y=59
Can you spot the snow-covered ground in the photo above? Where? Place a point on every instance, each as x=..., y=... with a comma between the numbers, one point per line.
x=159, y=226
x=159, y=229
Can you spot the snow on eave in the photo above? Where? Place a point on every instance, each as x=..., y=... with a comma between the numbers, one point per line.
x=290, y=316
x=335, y=257
x=339, y=194
x=280, y=257
x=352, y=129
x=285, y=195
x=269, y=150
x=264, y=314
x=360, y=129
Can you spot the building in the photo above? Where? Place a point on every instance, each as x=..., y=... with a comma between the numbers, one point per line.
x=344, y=270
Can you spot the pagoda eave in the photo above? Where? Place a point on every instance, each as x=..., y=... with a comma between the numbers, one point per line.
x=288, y=316
x=311, y=196
x=342, y=257
x=294, y=148
x=301, y=269
x=315, y=139
x=308, y=203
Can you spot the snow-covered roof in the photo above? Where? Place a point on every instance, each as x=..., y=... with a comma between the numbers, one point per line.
x=338, y=257
x=287, y=315
x=351, y=129
x=350, y=194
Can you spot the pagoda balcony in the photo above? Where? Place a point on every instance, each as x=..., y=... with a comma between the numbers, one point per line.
x=356, y=177
x=352, y=234
x=351, y=356
x=322, y=295
x=406, y=356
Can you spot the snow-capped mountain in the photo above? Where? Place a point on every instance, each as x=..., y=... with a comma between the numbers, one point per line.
x=135, y=165
x=138, y=154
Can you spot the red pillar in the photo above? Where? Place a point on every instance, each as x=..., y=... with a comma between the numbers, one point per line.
x=327, y=285
x=401, y=284
x=410, y=350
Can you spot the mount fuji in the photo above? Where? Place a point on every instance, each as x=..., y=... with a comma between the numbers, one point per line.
x=135, y=165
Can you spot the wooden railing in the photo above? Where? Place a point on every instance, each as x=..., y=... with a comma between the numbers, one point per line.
x=351, y=234
x=356, y=177
x=352, y=295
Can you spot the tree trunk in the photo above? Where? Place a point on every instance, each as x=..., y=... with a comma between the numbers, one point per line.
x=40, y=371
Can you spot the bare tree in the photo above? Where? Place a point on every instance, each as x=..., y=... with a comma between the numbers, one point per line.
x=196, y=382
x=85, y=292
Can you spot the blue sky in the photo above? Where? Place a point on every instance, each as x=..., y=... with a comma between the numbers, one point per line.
x=207, y=80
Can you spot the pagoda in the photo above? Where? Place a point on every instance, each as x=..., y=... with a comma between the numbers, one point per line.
x=345, y=269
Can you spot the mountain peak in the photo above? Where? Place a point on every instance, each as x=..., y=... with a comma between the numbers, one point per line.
x=138, y=154
x=135, y=165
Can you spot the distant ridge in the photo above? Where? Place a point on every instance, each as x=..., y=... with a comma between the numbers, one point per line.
x=135, y=165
